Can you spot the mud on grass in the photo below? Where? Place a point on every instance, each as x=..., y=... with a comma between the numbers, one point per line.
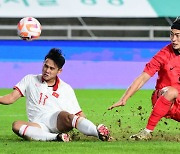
x=128, y=120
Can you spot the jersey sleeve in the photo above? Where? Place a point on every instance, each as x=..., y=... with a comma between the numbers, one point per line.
x=155, y=64
x=22, y=85
x=76, y=107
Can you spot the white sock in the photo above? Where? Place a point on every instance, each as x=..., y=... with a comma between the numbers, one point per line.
x=84, y=126
x=148, y=130
x=36, y=133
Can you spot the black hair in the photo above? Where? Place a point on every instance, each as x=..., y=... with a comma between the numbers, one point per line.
x=55, y=54
x=176, y=24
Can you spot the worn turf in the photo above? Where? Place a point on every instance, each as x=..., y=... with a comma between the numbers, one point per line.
x=122, y=122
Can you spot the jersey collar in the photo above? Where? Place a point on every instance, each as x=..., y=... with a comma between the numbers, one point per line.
x=176, y=52
x=55, y=86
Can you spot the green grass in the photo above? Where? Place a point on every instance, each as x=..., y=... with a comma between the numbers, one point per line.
x=122, y=121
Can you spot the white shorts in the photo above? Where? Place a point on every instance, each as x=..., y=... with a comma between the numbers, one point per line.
x=48, y=121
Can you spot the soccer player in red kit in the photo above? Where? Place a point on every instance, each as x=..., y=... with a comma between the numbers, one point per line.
x=166, y=96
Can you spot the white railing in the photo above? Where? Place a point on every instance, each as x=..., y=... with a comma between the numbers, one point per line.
x=91, y=32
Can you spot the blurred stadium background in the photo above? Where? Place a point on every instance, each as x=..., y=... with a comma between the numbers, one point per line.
x=106, y=42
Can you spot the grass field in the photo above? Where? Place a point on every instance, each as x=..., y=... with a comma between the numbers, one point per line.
x=122, y=121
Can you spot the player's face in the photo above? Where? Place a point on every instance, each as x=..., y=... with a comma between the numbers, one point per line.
x=50, y=70
x=175, y=38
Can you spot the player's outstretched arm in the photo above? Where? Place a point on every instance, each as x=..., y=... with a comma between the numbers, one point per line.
x=121, y=102
x=10, y=98
x=135, y=86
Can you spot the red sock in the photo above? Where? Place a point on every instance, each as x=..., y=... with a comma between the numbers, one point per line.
x=160, y=109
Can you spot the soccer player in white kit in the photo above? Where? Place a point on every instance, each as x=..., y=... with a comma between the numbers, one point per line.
x=51, y=104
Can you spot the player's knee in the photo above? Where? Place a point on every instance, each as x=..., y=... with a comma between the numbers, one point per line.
x=69, y=119
x=64, y=121
x=15, y=127
x=171, y=93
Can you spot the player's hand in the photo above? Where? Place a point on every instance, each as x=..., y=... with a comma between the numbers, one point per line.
x=119, y=103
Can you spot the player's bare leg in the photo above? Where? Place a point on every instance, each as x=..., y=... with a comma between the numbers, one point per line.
x=33, y=131
x=68, y=121
x=17, y=125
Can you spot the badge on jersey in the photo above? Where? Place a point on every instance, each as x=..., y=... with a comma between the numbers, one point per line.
x=55, y=94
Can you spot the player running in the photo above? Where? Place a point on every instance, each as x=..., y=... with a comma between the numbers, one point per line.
x=166, y=96
x=51, y=105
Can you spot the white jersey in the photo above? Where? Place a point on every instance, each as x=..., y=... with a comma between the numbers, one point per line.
x=41, y=99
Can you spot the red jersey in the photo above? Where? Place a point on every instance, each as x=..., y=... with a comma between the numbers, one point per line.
x=167, y=63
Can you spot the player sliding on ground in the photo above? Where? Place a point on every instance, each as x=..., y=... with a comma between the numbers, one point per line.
x=51, y=104
x=166, y=96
